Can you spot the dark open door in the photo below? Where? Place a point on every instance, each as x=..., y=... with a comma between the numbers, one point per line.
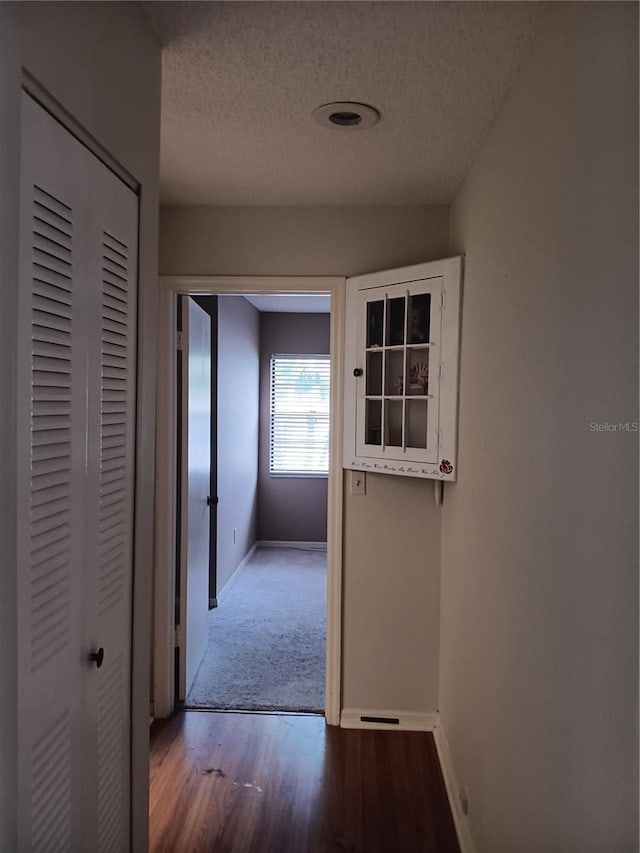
x=210, y=305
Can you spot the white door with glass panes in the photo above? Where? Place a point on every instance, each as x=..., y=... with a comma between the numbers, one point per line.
x=401, y=370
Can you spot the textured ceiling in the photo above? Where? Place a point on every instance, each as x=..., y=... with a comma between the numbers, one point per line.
x=240, y=80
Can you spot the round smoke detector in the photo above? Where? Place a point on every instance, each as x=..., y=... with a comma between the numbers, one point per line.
x=346, y=115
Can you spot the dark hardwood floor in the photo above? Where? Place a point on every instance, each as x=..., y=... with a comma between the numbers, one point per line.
x=262, y=783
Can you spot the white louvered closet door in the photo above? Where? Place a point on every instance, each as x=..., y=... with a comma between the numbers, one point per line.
x=110, y=481
x=51, y=450
x=78, y=256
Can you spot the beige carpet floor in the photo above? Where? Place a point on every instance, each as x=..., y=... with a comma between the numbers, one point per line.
x=266, y=648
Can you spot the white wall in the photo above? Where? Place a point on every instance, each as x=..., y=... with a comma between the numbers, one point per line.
x=238, y=417
x=392, y=544
x=298, y=240
x=539, y=662
x=102, y=63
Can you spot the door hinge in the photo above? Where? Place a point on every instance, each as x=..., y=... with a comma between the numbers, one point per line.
x=179, y=637
x=443, y=298
x=179, y=341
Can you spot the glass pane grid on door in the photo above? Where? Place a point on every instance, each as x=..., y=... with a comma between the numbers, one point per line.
x=398, y=346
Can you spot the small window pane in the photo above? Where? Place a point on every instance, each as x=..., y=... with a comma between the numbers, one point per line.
x=418, y=372
x=375, y=320
x=419, y=318
x=416, y=415
x=394, y=372
x=374, y=374
x=373, y=422
x=299, y=423
x=395, y=322
x=393, y=423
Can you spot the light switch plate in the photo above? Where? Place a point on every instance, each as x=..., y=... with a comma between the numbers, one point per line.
x=358, y=482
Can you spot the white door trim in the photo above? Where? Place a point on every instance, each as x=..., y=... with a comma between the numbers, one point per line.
x=164, y=592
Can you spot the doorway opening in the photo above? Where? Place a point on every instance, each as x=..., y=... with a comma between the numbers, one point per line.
x=273, y=579
x=251, y=589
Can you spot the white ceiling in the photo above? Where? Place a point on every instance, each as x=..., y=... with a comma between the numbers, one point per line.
x=314, y=303
x=240, y=80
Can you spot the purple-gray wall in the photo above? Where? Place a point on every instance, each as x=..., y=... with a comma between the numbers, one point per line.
x=238, y=384
x=291, y=509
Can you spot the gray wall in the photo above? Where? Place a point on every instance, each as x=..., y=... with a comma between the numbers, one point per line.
x=292, y=509
x=392, y=534
x=238, y=389
x=539, y=665
x=115, y=95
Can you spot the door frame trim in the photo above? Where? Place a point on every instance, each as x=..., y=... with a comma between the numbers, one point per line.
x=165, y=509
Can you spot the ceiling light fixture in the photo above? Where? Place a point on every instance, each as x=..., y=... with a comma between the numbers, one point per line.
x=346, y=115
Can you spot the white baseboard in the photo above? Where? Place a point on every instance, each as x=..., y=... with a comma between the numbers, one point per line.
x=460, y=820
x=226, y=589
x=408, y=721
x=306, y=546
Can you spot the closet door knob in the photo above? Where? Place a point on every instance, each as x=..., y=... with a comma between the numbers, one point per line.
x=357, y=371
x=97, y=657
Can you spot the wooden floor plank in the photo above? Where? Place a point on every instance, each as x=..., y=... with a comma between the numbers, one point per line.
x=271, y=783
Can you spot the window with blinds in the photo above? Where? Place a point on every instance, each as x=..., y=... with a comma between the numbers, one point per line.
x=299, y=419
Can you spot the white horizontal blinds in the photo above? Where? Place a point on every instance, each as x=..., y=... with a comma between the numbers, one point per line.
x=299, y=433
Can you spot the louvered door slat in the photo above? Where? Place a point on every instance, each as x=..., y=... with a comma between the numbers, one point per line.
x=52, y=243
x=51, y=793
x=112, y=538
x=50, y=532
x=110, y=786
x=49, y=503
x=45, y=277
x=49, y=301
